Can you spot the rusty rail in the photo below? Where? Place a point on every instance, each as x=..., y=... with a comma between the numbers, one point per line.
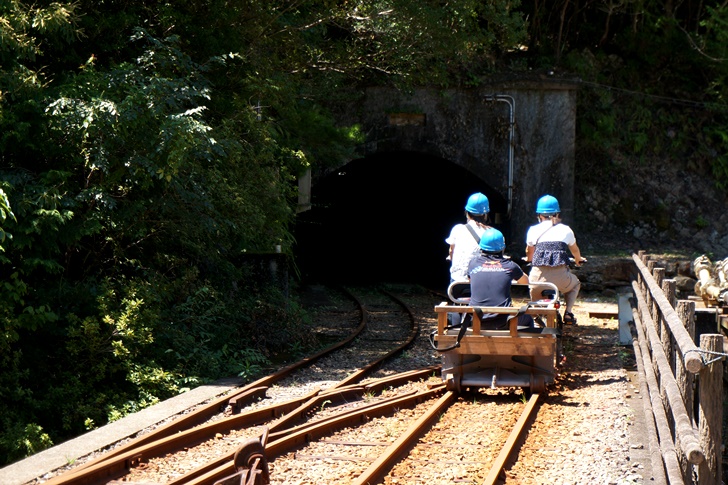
x=237, y=400
x=512, y=440
x=222, y=467
x=190, y=430
x=377, y=470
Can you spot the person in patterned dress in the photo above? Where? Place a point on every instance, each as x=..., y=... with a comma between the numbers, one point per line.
x=548, y=245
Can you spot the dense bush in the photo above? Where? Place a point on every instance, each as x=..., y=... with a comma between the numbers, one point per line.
x=120, y=285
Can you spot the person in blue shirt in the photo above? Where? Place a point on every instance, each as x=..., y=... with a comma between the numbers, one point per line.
x=491, y=275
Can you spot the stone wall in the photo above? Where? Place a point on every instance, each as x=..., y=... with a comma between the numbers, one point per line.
x=607, y=276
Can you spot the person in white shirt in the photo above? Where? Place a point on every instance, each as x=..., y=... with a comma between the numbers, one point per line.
x=548, y=245
x=464, y=239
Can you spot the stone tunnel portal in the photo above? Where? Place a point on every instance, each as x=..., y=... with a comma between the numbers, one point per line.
x=384, y=218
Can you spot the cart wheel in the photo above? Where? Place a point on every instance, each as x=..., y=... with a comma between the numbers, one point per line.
x=538, y=384
x=247, y=453
x=453, y=383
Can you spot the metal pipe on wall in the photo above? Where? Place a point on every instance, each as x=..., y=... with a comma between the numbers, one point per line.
x=511, y=123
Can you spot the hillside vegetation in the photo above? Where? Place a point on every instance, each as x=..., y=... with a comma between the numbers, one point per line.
x=148, y=148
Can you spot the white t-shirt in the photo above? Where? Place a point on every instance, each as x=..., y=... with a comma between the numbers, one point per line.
x=465, y=248
x=546, y=231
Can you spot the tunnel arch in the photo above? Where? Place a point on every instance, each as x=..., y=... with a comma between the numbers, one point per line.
x=517, y=134
x=385, y=217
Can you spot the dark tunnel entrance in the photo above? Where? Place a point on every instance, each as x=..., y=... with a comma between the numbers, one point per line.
x=385, y=218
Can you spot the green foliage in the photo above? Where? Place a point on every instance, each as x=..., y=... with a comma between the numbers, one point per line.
x=25, y=28
x=5, y=213
x=701, y=222
x=653, y=77
x=123, y=289
x=23, y=441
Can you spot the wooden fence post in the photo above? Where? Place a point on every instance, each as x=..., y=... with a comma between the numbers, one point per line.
x=651, y=301
x=659, y=275
x=690, y=440
x=650, y=266
x=642, y=256
x=685, y=380
x=711, y=411
x=666, y=339
x=668, y=288
x=690, y=351
x=664, y=457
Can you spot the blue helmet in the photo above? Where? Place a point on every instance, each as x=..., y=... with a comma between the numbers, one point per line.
x=492, y=241
x=478, y=204
x=547, y=205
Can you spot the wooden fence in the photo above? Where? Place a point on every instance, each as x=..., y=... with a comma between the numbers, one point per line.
x=681, y=383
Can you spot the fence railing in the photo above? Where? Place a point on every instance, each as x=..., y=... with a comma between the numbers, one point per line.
x=681, y=382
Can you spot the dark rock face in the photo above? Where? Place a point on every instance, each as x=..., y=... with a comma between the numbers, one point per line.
x=658, y=206
x=606, y=274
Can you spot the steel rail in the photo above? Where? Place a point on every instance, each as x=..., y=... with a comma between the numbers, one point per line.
x=223, y=466
x=381, y=466
x=299, y=414
x=511, y=442
x=389, y=381
x=355, y=377
x=220, y=468
x=217, y=468
x=188, y=421
x=120, y=463
x=246, y=393
x=414, y=331
x=191, y=430
x=286, y=432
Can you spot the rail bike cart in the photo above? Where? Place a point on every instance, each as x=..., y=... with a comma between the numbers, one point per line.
x=515, y=357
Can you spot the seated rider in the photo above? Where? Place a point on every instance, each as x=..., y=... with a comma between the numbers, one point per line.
x=491, y=274
x=548, y=245
x=463, y=241
x=464, y=238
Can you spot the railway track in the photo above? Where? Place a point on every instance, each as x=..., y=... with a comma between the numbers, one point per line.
x=349, y=414
x=389, y=440
x=451, y=453
x=385, y=328
x=431, y=442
